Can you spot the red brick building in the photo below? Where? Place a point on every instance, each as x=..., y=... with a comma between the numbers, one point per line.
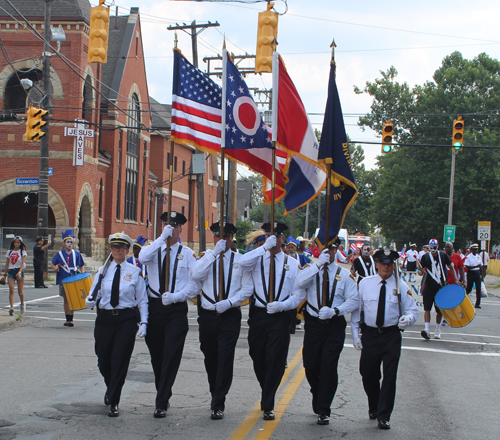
x=125, y=163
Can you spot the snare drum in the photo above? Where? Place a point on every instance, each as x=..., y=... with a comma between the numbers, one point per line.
x=77, y=288
x=455, y=305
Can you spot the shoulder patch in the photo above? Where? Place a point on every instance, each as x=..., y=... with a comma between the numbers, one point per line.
x=303, y=267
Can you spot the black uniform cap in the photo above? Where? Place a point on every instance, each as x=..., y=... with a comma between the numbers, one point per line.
x=335, y=244
x=229, y=229
x=176, y=218
x=279, y=228
x=386, y=257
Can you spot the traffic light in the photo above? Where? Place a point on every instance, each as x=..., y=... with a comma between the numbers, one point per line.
x=387, y=134
x=267, y=34
x=37, y=118
x=458, y=134
x=98, y=35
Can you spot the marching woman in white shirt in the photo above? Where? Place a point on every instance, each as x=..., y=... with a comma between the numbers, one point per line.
x=119, y=292
x=383, y=313
x=325, y=325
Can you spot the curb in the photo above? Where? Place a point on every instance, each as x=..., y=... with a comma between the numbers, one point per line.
x=5, y=319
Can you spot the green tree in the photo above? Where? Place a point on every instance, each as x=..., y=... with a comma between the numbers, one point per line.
x=408, y=202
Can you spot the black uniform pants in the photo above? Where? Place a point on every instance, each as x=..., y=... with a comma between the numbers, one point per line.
x=268, y=338
x=218, y=337
x=167, y=330
x=474, y=276
x=114, y=342
x=380, y=349
x=38, y=266
x=411, y=266
x=323, y=343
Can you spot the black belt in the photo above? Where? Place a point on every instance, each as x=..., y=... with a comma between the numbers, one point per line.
x=114, y=312
x=381, y=329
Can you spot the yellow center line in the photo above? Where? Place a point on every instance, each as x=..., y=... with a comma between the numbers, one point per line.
x=256, y=413
x=283, y=403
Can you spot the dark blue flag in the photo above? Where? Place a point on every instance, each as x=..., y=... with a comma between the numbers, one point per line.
x=334, y=149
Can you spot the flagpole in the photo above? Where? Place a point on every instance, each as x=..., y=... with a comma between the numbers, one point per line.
x=327, y=214
x=222, y=174
x=169, y=206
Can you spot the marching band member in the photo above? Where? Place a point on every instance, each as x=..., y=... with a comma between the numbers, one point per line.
x=433, y=265
x=325, y=326
x=67, y=262
x=168, y=325
x=136, y=249
x=381, y=323
x=118, y=291
x=364, y=265
x=220, y=319
x=269, y=334
x=473, y=265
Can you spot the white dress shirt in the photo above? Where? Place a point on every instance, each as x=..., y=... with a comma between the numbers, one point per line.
x=186, y=261
x=203, y=273
x=471, y=261
x=346, y=298
x=251, y=262
x=369, y=292
x=132, y=289
x=411, y=256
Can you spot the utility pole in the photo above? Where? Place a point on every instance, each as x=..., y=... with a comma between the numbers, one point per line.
x=193, y=27
x=43, y=184
x=452, y=186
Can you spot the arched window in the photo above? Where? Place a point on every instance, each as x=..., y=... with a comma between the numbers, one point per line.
x=132, y=163
x=87, y=102
x=16, y=97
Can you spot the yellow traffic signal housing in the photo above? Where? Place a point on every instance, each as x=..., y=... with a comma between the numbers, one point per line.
x=35, y=121
x=267, y=40
x=387, y=134
x=458, y=134
x=99, y=33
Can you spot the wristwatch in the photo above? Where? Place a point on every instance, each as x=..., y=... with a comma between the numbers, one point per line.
x=337, y=312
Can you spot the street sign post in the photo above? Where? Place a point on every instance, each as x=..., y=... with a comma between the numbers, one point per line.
x=484, y=231
x=449, y=233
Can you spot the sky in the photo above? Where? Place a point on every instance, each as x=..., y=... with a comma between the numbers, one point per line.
x=414, y=37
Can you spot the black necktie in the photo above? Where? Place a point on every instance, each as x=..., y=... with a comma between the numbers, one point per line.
x=163, y=274
x=115, y=288
x=381, y=307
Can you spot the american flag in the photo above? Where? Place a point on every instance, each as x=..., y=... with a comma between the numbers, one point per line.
x=196, y=107
x=353, y=247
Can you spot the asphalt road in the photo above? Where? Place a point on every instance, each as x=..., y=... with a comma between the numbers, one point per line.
x=50, y=387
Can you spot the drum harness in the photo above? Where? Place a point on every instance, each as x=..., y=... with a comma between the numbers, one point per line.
x=65, y=266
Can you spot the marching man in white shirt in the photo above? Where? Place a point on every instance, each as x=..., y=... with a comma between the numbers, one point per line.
x=325, y=324
x=383, y=312
x=219, y=312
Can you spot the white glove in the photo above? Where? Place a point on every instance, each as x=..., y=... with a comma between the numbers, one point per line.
x=324, y=258
x=143, y=328
x=357, y=343
x=270, y=242
x=167, y=298
x=326, y=313
x=167, y=232
x=223, y=305
x=90, y=303
x=220, y=247
x=275, y=307
x=404, y=322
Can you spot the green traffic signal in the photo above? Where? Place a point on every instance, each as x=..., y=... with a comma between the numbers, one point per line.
x=457, y=146
x=386, y=148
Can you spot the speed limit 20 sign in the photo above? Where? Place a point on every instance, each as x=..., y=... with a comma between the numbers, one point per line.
x=484, y=231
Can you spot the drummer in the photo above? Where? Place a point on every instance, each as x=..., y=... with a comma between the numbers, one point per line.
x=433, y=267
x=136, y=249
x=67, y=262
x=122, y=311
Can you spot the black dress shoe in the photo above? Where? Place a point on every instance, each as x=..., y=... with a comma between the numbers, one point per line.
x=113, y=411
x=384, y=424
x=160, y=413
x=372, y=415
x=45, y=287
x=217, y=415
x=269, y=415
x=323, y=419
x=106, y=398
x=478, y=307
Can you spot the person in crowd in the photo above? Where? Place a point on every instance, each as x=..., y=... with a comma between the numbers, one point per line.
x=473, y=265
x=381, y=322
x=67, y=262
x=119, y=292
x=38, y=260
x=483, y=255
x=314, y=249
x=136, y=250
x=14, y=272
x=458, y=265
x=363, y=266
x=411, y=258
